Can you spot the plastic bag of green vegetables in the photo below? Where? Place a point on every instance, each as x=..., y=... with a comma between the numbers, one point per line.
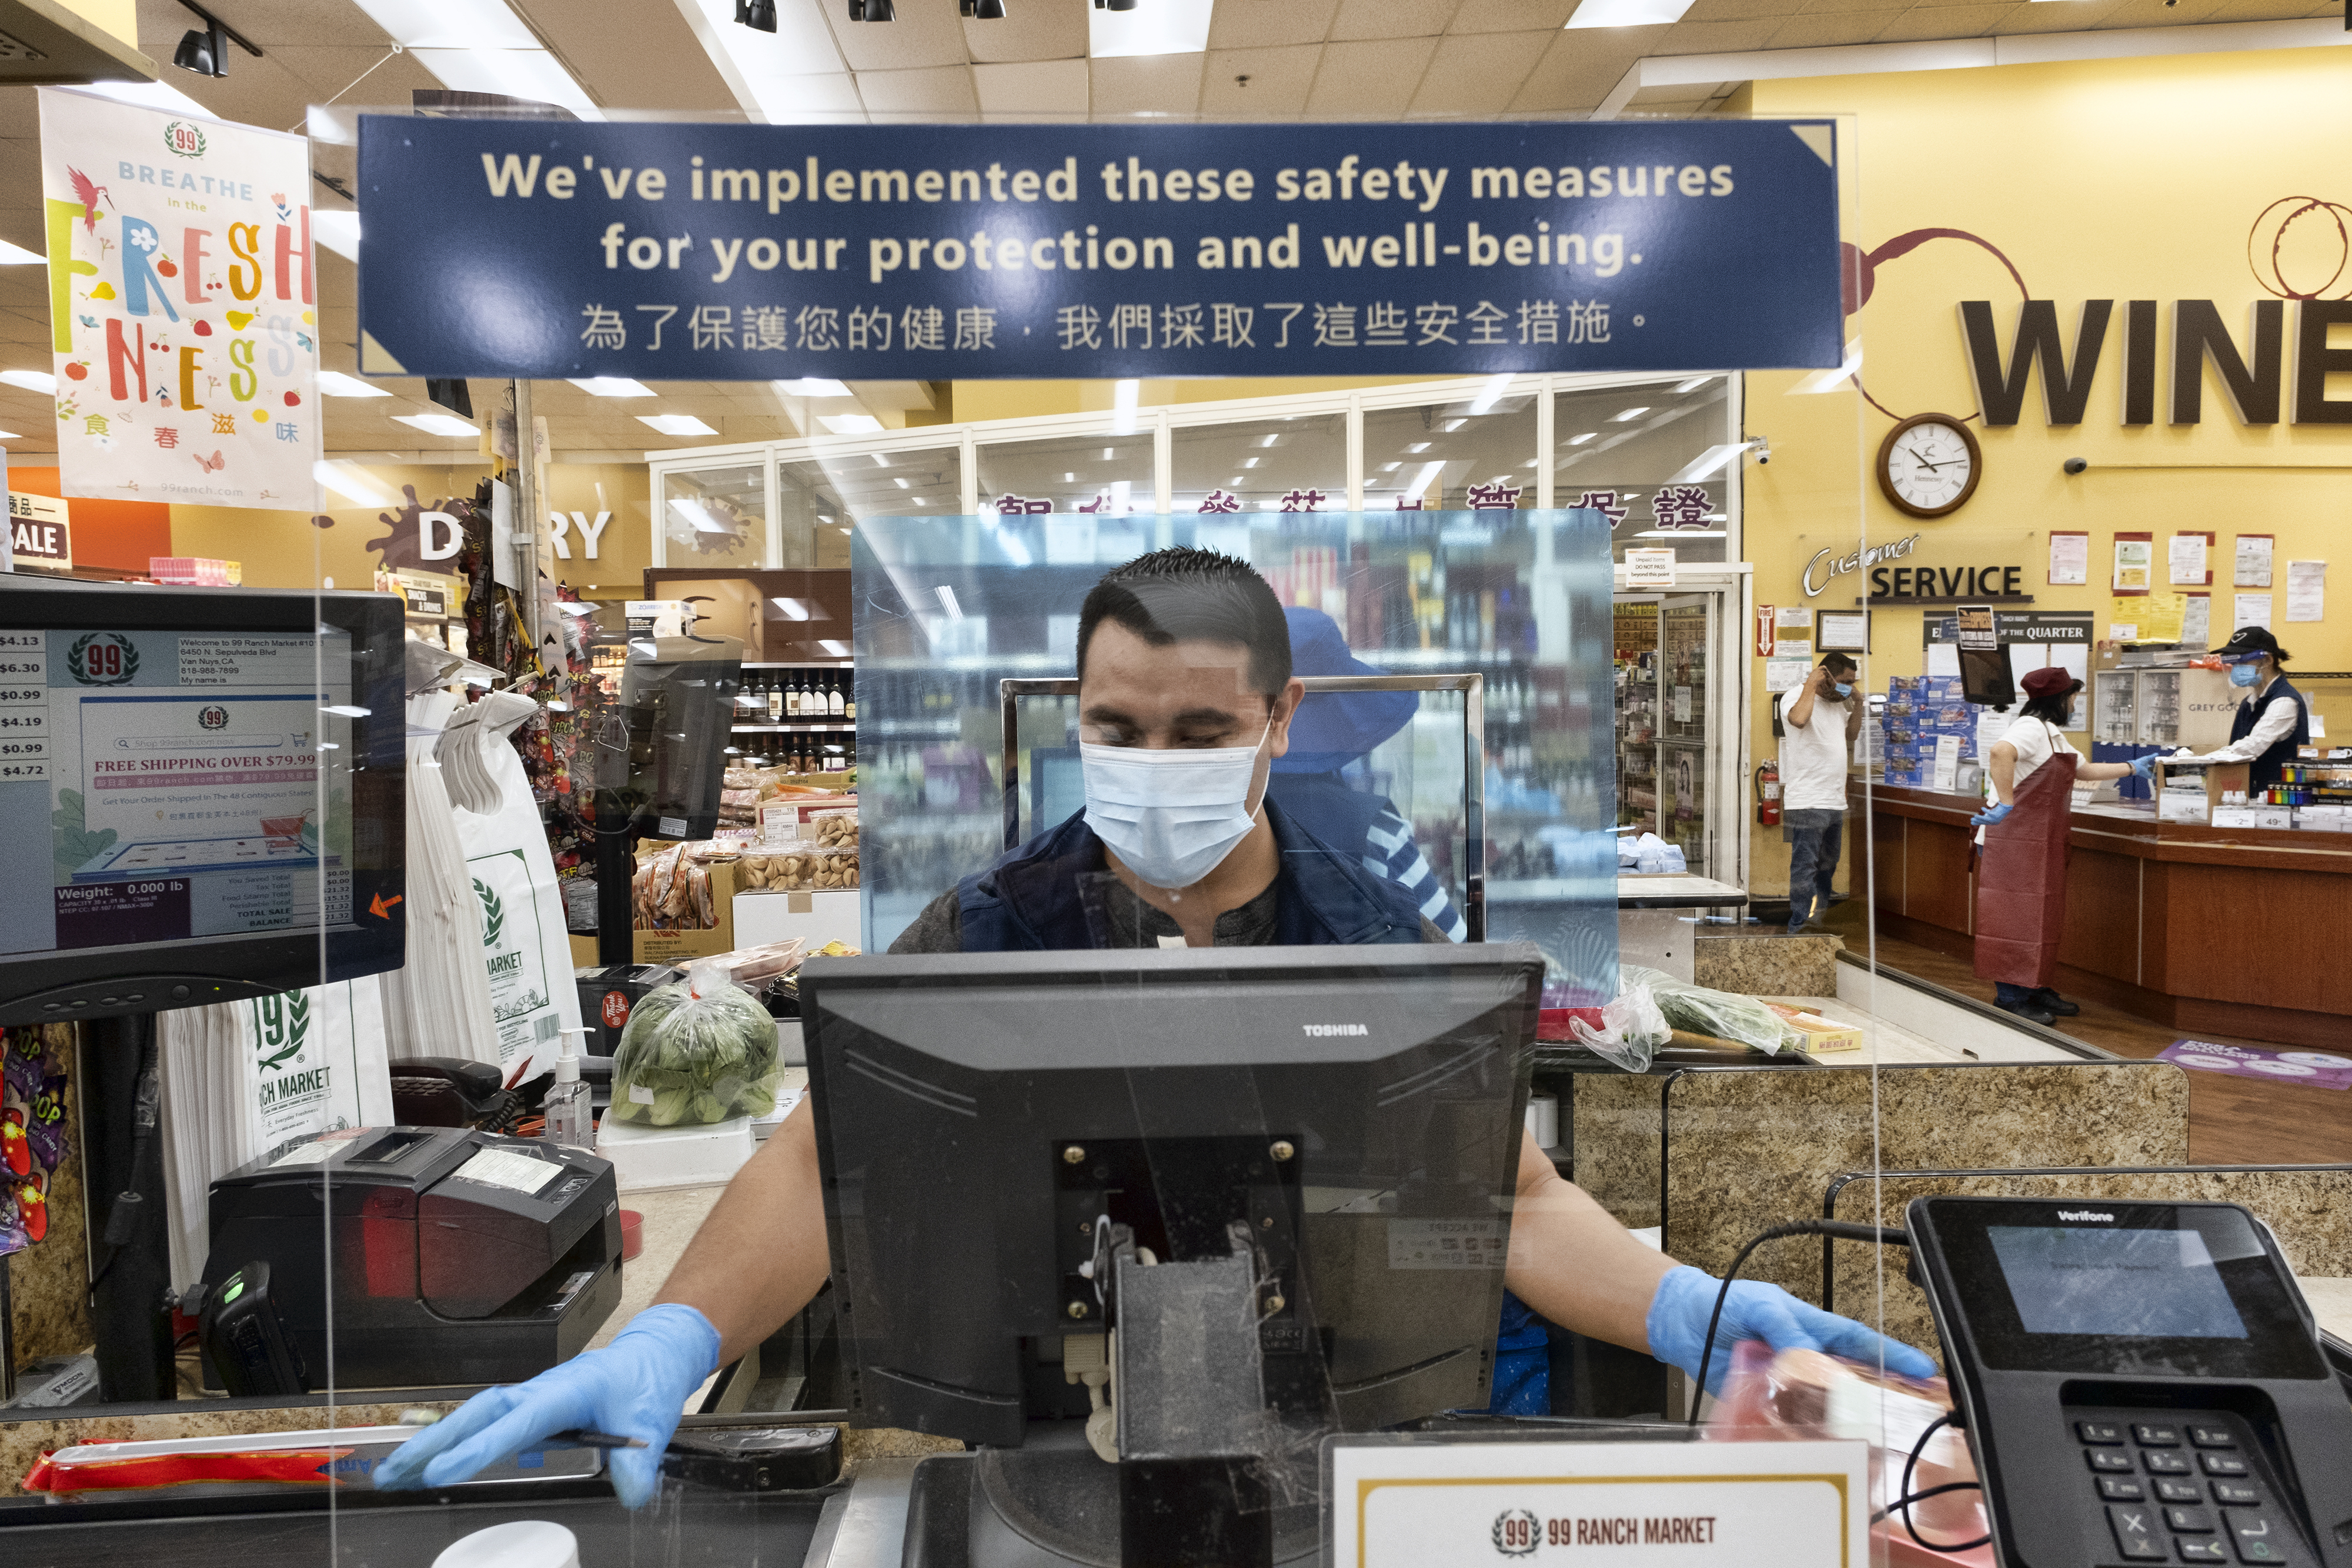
x=1727, y=1015
x=697, y=1050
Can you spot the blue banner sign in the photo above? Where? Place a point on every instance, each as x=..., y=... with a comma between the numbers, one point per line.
x=751, y=253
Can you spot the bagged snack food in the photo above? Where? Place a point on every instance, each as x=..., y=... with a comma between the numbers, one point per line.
x=697, y=1050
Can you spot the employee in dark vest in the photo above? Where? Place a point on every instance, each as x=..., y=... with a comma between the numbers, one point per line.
x=1185, y=700
x=2273, y=719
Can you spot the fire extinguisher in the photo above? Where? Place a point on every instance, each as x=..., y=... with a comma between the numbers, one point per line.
x=1767, y=794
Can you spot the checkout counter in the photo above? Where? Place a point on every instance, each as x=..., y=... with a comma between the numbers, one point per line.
x=2235, y=930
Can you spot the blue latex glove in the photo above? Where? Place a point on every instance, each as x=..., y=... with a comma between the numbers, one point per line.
x=1991, y=814
x=2144, y=766
x=633, y=1387
x=1678, y=1327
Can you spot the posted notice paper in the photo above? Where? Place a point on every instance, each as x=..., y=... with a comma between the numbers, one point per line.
x=2251, y=610
x=2306, y=590
x=2070, y=558
x=2186, y=561
x=2254, y=561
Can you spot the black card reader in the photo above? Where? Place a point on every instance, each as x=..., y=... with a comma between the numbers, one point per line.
x=2141, y=1383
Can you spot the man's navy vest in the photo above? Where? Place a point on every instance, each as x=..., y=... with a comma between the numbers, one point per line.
x=2263, y=771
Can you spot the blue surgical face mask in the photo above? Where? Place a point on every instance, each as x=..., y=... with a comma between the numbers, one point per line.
x=2244, y=675
x=1840, y=690
x=1171, y=816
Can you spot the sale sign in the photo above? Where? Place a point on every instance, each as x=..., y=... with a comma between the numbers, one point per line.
x=182, y=306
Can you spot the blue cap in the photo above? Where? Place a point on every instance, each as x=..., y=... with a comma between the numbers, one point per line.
x=1334, y=728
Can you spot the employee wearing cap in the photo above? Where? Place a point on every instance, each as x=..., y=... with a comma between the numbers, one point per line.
x=2273, y=719
x=2022, y=883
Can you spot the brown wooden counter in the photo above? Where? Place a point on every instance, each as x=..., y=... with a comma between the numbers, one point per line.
x=2231, y=931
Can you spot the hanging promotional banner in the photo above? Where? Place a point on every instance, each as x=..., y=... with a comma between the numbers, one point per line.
x=757, y=252
x=183, y=309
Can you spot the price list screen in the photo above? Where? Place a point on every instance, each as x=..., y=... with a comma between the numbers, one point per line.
x=163, y=786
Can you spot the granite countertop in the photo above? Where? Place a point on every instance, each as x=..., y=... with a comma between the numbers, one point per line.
x=2331, y=1303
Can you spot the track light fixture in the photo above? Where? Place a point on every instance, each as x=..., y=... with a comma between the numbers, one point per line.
x=205, y=50
x=993, y=10
x=760, y=16
x=880, y=11
x=857, y=10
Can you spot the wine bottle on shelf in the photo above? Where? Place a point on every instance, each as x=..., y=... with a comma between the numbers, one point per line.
x=771, y=700
x=849, y=700
x=833, y=704
x=791, y=696
x=805, y=684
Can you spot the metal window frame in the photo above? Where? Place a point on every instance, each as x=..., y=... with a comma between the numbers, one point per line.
x=1472, y=685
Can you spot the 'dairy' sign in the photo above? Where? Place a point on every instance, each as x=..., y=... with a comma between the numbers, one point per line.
x=715, y=251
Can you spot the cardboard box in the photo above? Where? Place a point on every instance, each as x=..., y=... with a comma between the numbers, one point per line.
x=1821, y=1034
x=829, y=915
x=794, y=816
x=675, y=946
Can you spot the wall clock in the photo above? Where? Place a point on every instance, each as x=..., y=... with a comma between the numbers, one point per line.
x=1928, y=464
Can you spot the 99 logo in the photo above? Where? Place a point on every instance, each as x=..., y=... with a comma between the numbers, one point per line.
x=103, y=659
x=1516, y=1532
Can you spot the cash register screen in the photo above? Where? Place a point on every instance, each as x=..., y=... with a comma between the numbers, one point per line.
x=2127, y=1289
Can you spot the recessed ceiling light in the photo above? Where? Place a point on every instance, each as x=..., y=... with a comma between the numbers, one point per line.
x=353, y=483
x=338, y=232
x=1629, y=414
x=1627, y=13
x=1418, y=447
x=611, y=386
x=1693, y=384
x=1161, y=27
x=1580, y=440
x=1488, y=396
x=34, y=381
x=792, y=609
x=447, y=424
x=1390, y=468
x=837, y=649
x=811, y=386
x=10, y=435
x=675, y=424
x=1069, y=478
x=334, y=383
x=1249, y=461
x=1269, y=441
x=902, y=483
x=850, y=423
x=17, y=255
x=1109, y=451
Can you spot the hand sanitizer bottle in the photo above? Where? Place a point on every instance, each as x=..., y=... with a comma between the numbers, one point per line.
x=569, y=1116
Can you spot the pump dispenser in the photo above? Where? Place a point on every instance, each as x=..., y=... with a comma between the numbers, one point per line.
x=570, y=1114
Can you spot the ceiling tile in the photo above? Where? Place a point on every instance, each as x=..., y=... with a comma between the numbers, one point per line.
x=2156, y=14
x=1039, y=87
x=815, y=96
x=1964, y=21
x=1739, y=10
x=1258, y=84
x=1367, y=80
x=265, y=22
x=1268, y=23
x=633, y=54
x=1478, y=73
x=1581, y=67
x=926, y=33
x=940, y=90
x=1717, y=37
x=1509, y=15
x=2071, y=17
x=1392, y=18
x=1830, y=30
x=2262, y=11
x=1147, y=84
x=1029, y=30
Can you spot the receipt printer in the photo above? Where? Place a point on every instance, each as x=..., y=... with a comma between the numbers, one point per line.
x=2141, y=1383
x=451, y=1256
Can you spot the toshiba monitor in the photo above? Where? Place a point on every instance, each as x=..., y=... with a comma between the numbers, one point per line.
x=203, y=794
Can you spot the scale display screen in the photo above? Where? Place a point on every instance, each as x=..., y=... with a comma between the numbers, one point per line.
x=2141, y=1283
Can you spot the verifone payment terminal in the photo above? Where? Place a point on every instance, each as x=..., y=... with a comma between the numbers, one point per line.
x=2141, y=1382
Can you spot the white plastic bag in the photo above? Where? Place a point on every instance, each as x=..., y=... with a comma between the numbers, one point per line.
x=1632, y=1029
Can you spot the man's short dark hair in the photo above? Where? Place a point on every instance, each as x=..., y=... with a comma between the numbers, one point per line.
x=1183, y=595
x=1838, y=664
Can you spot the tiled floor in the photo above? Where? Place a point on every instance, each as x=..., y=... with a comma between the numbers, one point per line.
x=2231, y=1120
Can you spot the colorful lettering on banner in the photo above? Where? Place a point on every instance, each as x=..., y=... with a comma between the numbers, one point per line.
x=182, y=305
x=1303, y=500
x=1605, y=502
x=1411, y=504
x=1221, y=501
x=1680, y=507
x=749, y=252
x=1496, y=497
x=1020, y=506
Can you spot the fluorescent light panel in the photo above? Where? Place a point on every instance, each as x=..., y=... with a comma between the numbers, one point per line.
x=850, y=423
x=338, y=232
x=1628, y=13
x=811, y=386
x=17, y=255
x=447, y=424
x=352, y=483
x=675, y=424
x=611, y=386
x=1634, y=413
x=31, y=380
x=1161, y=27
x=334, y=383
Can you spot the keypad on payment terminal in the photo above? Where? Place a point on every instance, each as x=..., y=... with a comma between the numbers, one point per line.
x=2183, y=1491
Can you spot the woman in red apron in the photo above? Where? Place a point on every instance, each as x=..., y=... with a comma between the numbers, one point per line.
x=2021, y=877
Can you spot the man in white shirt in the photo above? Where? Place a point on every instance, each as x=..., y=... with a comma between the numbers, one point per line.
x=2273, y=719
x=1820, y=720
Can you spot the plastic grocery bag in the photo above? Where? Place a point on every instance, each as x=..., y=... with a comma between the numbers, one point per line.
x=696, y=1050
x=1723, y=1014
x=1632, y=1029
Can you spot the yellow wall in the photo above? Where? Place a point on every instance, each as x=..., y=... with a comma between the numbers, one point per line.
x=2115, y=180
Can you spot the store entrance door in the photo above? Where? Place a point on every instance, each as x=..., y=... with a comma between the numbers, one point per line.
x=1679, y=739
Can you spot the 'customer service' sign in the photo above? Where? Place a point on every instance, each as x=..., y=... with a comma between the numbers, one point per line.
x=713, y=252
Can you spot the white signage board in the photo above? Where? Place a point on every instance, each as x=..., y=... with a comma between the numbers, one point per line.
x=1675, y=1505
x=182, y=305
x=1650, y=568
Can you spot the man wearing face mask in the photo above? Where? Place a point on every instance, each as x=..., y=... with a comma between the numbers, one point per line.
x=1185, y=699
x=2273, y=718
x=1819, y=720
